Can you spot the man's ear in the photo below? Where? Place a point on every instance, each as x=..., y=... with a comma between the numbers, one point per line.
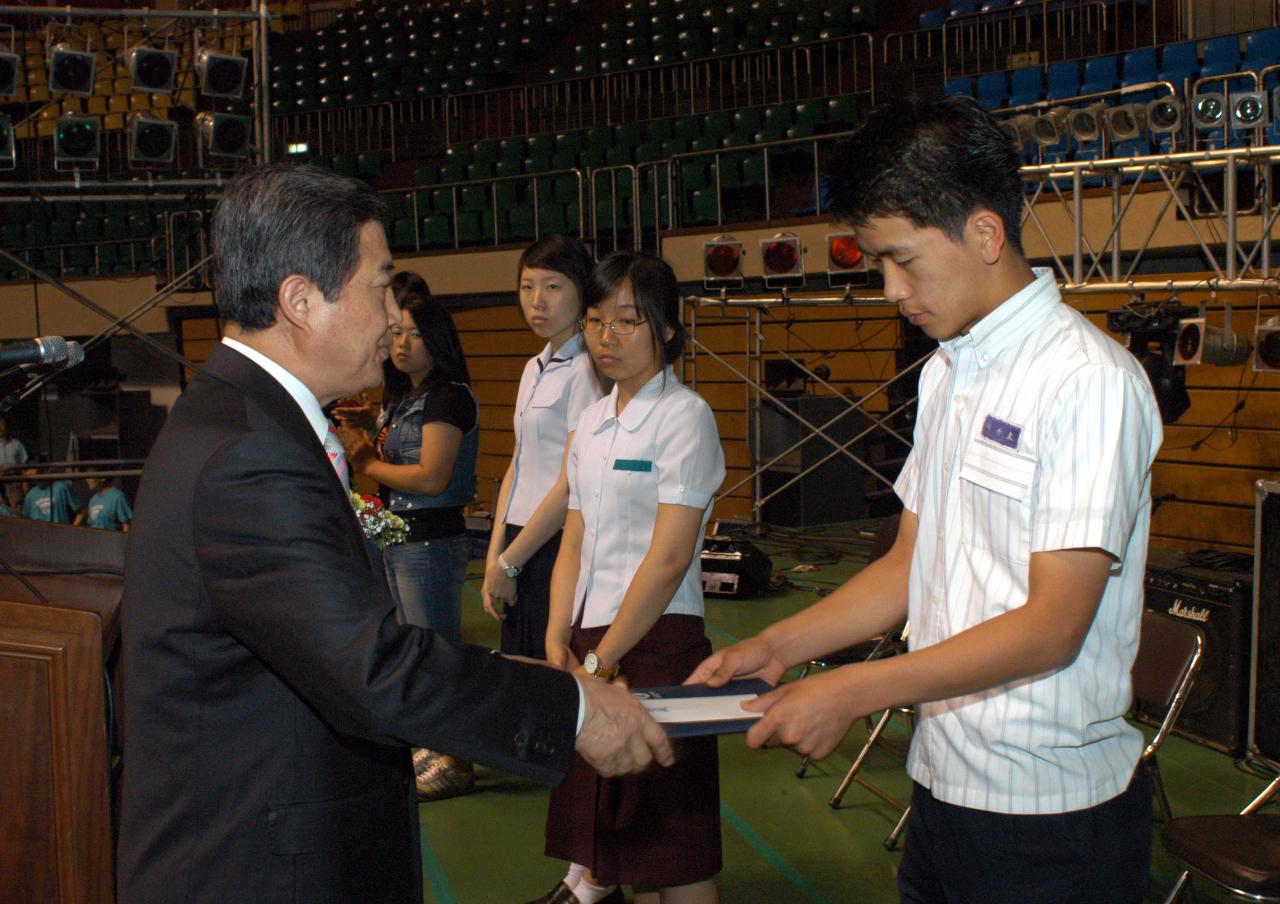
x=296, y=298
x=988, y=230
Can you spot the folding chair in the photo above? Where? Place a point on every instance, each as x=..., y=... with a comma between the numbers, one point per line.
x=1239, y=854
x=1163, y=672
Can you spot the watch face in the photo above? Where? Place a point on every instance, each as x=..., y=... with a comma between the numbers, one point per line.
x=591, y=663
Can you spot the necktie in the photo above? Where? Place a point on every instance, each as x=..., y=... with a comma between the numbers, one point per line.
x=337, y=456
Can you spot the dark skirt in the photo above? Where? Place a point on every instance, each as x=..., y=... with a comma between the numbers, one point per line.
x=655, y=830
x=524, y=630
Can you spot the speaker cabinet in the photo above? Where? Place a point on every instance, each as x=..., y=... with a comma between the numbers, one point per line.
x=1264, y=703
x=1219, y=603
x=834, y=490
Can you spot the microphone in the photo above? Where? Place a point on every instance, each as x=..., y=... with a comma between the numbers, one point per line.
x=45, y=350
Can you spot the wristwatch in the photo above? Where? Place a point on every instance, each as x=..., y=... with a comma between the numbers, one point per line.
x=595, y=668
x=510, y=570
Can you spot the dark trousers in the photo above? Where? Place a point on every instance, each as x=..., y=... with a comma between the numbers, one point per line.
x=524, y=631
x=956, y=855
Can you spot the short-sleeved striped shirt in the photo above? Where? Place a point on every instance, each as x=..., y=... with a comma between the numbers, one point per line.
x=1036, y=432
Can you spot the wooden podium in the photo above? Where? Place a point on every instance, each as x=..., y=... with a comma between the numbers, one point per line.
x=55, y=758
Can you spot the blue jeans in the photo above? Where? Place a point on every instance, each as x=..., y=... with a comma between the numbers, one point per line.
x=426, y=581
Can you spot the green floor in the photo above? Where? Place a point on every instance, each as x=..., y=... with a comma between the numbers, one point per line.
x=782, y=842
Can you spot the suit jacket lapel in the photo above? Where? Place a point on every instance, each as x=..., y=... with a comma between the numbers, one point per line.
x=229, y=366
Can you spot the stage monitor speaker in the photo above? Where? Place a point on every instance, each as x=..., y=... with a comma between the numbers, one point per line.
x=734, y=568
x=833, y=491
x=1264, y=703
x=1218, y=601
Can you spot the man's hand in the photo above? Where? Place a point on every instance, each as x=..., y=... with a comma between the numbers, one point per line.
x=618, y=737
x=498, y=590
x=809, y=716
x=750, y=658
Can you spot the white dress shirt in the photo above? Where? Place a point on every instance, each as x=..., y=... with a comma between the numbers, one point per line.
x=554, y=391
x=1036, y=432
x=305, y=398
x=664, y=449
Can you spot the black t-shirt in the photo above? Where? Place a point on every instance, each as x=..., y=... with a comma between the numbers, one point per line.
x=451, y=403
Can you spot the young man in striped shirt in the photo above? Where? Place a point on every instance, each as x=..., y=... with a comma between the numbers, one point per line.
x=1020, y=555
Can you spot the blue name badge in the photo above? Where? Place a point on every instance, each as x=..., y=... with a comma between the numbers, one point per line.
x=632, y=464
x=1000, y=432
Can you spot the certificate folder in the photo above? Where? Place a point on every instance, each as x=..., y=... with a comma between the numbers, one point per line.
x=688, y=711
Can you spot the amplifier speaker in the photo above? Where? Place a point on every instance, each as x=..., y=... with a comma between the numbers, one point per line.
x=1217, y=601
x=1264, y=708
x=734, y=568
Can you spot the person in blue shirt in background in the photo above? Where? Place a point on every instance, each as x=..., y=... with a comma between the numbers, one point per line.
x=108, y=507
x=50, y=500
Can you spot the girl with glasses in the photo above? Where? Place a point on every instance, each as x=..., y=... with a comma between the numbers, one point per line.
x=626, y=592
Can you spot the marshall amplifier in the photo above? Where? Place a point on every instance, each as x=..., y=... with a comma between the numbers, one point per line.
x=1264, y=708
x=1218, y=600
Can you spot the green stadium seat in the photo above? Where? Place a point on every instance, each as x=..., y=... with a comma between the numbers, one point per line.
x=369, y=164
x=436, y=232
x=402, y=234
x=520, y=223
x=473, y=197
x=551, y=217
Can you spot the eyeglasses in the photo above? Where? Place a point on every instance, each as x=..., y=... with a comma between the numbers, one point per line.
x=623, y=326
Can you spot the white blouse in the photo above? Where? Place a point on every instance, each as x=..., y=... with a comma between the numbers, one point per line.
x=554, y=391
x=664, y=449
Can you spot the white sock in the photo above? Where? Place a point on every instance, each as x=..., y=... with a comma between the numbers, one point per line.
x=574, y=876
x=589, y=893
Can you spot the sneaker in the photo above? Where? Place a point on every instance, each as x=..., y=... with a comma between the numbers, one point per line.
x=423, y=759
x=443, y=780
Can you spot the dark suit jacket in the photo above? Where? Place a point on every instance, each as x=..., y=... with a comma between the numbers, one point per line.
x=270, y=697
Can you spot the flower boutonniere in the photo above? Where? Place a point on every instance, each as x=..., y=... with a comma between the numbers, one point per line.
x=381, y=527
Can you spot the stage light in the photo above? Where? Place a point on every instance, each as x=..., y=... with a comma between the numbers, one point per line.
x=151, y=140
x=1020, y=129
x=1249, y=110
x=1087, y=123
x=1164, y=115
x=152, y=71
x=76, y=141
x=783, y=260
x=1050, y=127
x=1125, y=122
x=8, y=74
x=1209, y=110
x=1267, y=346
x=1200, y=343
x=71, y=71
x=224, y=134
x=8, y=155
x=846, y=264
x=221, y=74
x=722, y=262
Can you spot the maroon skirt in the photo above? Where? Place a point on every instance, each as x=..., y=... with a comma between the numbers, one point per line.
x=655, y=830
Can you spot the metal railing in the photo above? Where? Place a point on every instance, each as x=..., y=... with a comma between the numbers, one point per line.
x=403, y=128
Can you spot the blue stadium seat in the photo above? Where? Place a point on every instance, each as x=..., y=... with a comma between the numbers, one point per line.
x=1262, y=49
x=962, y=8
x=1138, y=66
x=993, y=90
x=1178, y=62
x=963, y=86
x=933, y=18
x=1026, y=86
x=1062, y=80
x=1100, y=74
x=1221, y=55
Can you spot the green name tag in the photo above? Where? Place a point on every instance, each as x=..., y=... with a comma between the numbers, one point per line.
x=632, y=464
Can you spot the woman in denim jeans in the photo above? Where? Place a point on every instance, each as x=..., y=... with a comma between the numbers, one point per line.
x=425, y=459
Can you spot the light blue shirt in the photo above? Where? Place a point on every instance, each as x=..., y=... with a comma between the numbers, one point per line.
x=108, y=510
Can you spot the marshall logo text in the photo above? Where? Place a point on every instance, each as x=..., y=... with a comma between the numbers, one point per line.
x=1190, y=613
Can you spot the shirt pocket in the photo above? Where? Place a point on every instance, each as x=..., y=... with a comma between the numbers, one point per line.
x=996, y=489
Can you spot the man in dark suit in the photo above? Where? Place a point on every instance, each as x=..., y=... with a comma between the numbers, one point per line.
x=270, y=696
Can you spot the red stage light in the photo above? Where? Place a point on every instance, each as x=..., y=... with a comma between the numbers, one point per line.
x=723, y=260
x=781, y=257
x=843, y=252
